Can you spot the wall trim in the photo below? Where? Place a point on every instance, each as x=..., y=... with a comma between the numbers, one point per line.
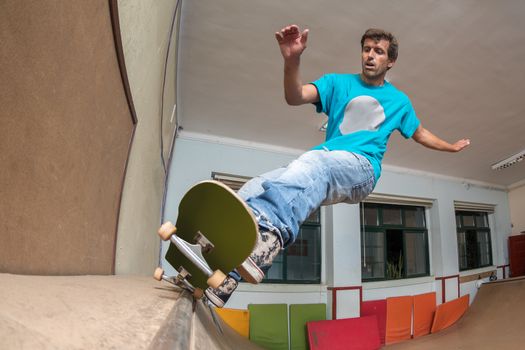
x=443, y=287
x=466, y=182
x=334, y=297
x=516, y=185
x=281, y=288
x=398, y=283
x=471, y=206
x=477, y=271
x=398, y=200
x=196, y=136
x=476, y=276
x=504, y=268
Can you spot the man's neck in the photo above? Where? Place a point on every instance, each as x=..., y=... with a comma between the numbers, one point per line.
x=379, y=81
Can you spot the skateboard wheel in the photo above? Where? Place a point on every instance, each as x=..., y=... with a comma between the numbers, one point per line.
x=198, y=293
x=216, y=279
x=167, y=230
x=158, y=274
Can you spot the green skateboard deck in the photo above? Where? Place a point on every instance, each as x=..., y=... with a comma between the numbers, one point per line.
x=214, y=210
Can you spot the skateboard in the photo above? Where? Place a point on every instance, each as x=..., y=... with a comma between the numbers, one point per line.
x=214, y=233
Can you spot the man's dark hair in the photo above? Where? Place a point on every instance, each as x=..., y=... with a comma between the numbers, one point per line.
x=378, y=34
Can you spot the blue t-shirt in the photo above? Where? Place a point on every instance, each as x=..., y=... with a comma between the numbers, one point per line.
x=362, y=117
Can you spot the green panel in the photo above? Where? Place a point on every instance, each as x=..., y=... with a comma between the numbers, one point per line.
x=269, y=325
x=299, y=315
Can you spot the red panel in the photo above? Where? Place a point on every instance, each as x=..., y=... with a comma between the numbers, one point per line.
x=517, y=255
x=346, y=334
x=424, y=309
x=398, y=319
x=377, y=308
x=448, y=313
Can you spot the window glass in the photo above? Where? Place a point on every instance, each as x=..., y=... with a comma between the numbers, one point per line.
x=484, y=247
x=414, y=217
x=392, y=216
x=276, y=272
x=371, y=216
x=395, y=257
x=468, y=220
x=481, y=220
x=303, y=256
x=373, y=255
x=415, y=251
x=301, y=261
x=462, y=251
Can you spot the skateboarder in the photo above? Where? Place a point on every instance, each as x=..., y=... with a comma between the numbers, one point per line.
x=363, y=110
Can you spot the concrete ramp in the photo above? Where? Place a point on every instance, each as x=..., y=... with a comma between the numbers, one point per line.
x=106, y=312
x=197, y=326
x=495, y=320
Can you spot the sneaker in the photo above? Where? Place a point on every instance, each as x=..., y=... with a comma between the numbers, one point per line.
x=220, y=295
x=268, y=245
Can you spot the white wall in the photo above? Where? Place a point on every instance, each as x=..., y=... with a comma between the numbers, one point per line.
x=517, y=209
x=195, y=159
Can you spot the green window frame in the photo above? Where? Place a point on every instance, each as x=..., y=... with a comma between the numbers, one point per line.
x=394, y=242
x=474, y=240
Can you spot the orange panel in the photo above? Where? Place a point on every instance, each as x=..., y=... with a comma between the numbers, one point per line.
x=424, y=309
x=448, y=313
x=398, y=319
x=239, y=320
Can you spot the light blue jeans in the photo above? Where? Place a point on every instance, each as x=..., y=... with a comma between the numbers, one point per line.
x=283, y=199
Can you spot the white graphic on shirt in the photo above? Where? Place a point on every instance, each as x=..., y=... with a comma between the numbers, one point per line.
x=362, y=113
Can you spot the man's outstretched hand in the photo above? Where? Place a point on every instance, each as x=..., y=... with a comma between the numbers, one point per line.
x=292, y=41
x=461, y=144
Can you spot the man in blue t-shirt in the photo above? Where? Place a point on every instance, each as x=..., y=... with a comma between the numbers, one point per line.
x=363, y=110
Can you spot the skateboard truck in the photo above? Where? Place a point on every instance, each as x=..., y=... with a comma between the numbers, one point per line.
x=204, y=242
x=193, y=252
x=179, y=280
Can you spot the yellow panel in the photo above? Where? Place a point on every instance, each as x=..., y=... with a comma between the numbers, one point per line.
x=239, y=320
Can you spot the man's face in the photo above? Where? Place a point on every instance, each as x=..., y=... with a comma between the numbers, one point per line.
x=374, y=59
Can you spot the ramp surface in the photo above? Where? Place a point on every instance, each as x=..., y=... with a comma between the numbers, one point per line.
x=106, y=312
x=494, y=321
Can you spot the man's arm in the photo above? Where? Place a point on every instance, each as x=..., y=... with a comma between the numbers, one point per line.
x=292, y=43
x=428, y=139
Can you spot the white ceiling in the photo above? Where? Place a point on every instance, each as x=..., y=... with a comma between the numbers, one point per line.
x=462, y=63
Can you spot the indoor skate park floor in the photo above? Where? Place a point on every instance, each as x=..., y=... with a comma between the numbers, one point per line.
x=106, y=312
x=124, y=312
x=495, y=320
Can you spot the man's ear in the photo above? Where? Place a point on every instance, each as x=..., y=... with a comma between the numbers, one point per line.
x=390, y=63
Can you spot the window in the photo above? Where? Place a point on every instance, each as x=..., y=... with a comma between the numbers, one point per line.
x=394, y=242
x=300, y=263
x=474, y=243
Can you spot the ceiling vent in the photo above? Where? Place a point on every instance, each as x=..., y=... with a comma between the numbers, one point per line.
x=510, y=161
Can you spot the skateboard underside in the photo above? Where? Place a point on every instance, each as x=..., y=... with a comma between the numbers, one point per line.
x=217, y=213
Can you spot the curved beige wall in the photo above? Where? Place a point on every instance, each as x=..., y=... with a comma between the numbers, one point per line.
x=145, y=27
x=65, y=131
